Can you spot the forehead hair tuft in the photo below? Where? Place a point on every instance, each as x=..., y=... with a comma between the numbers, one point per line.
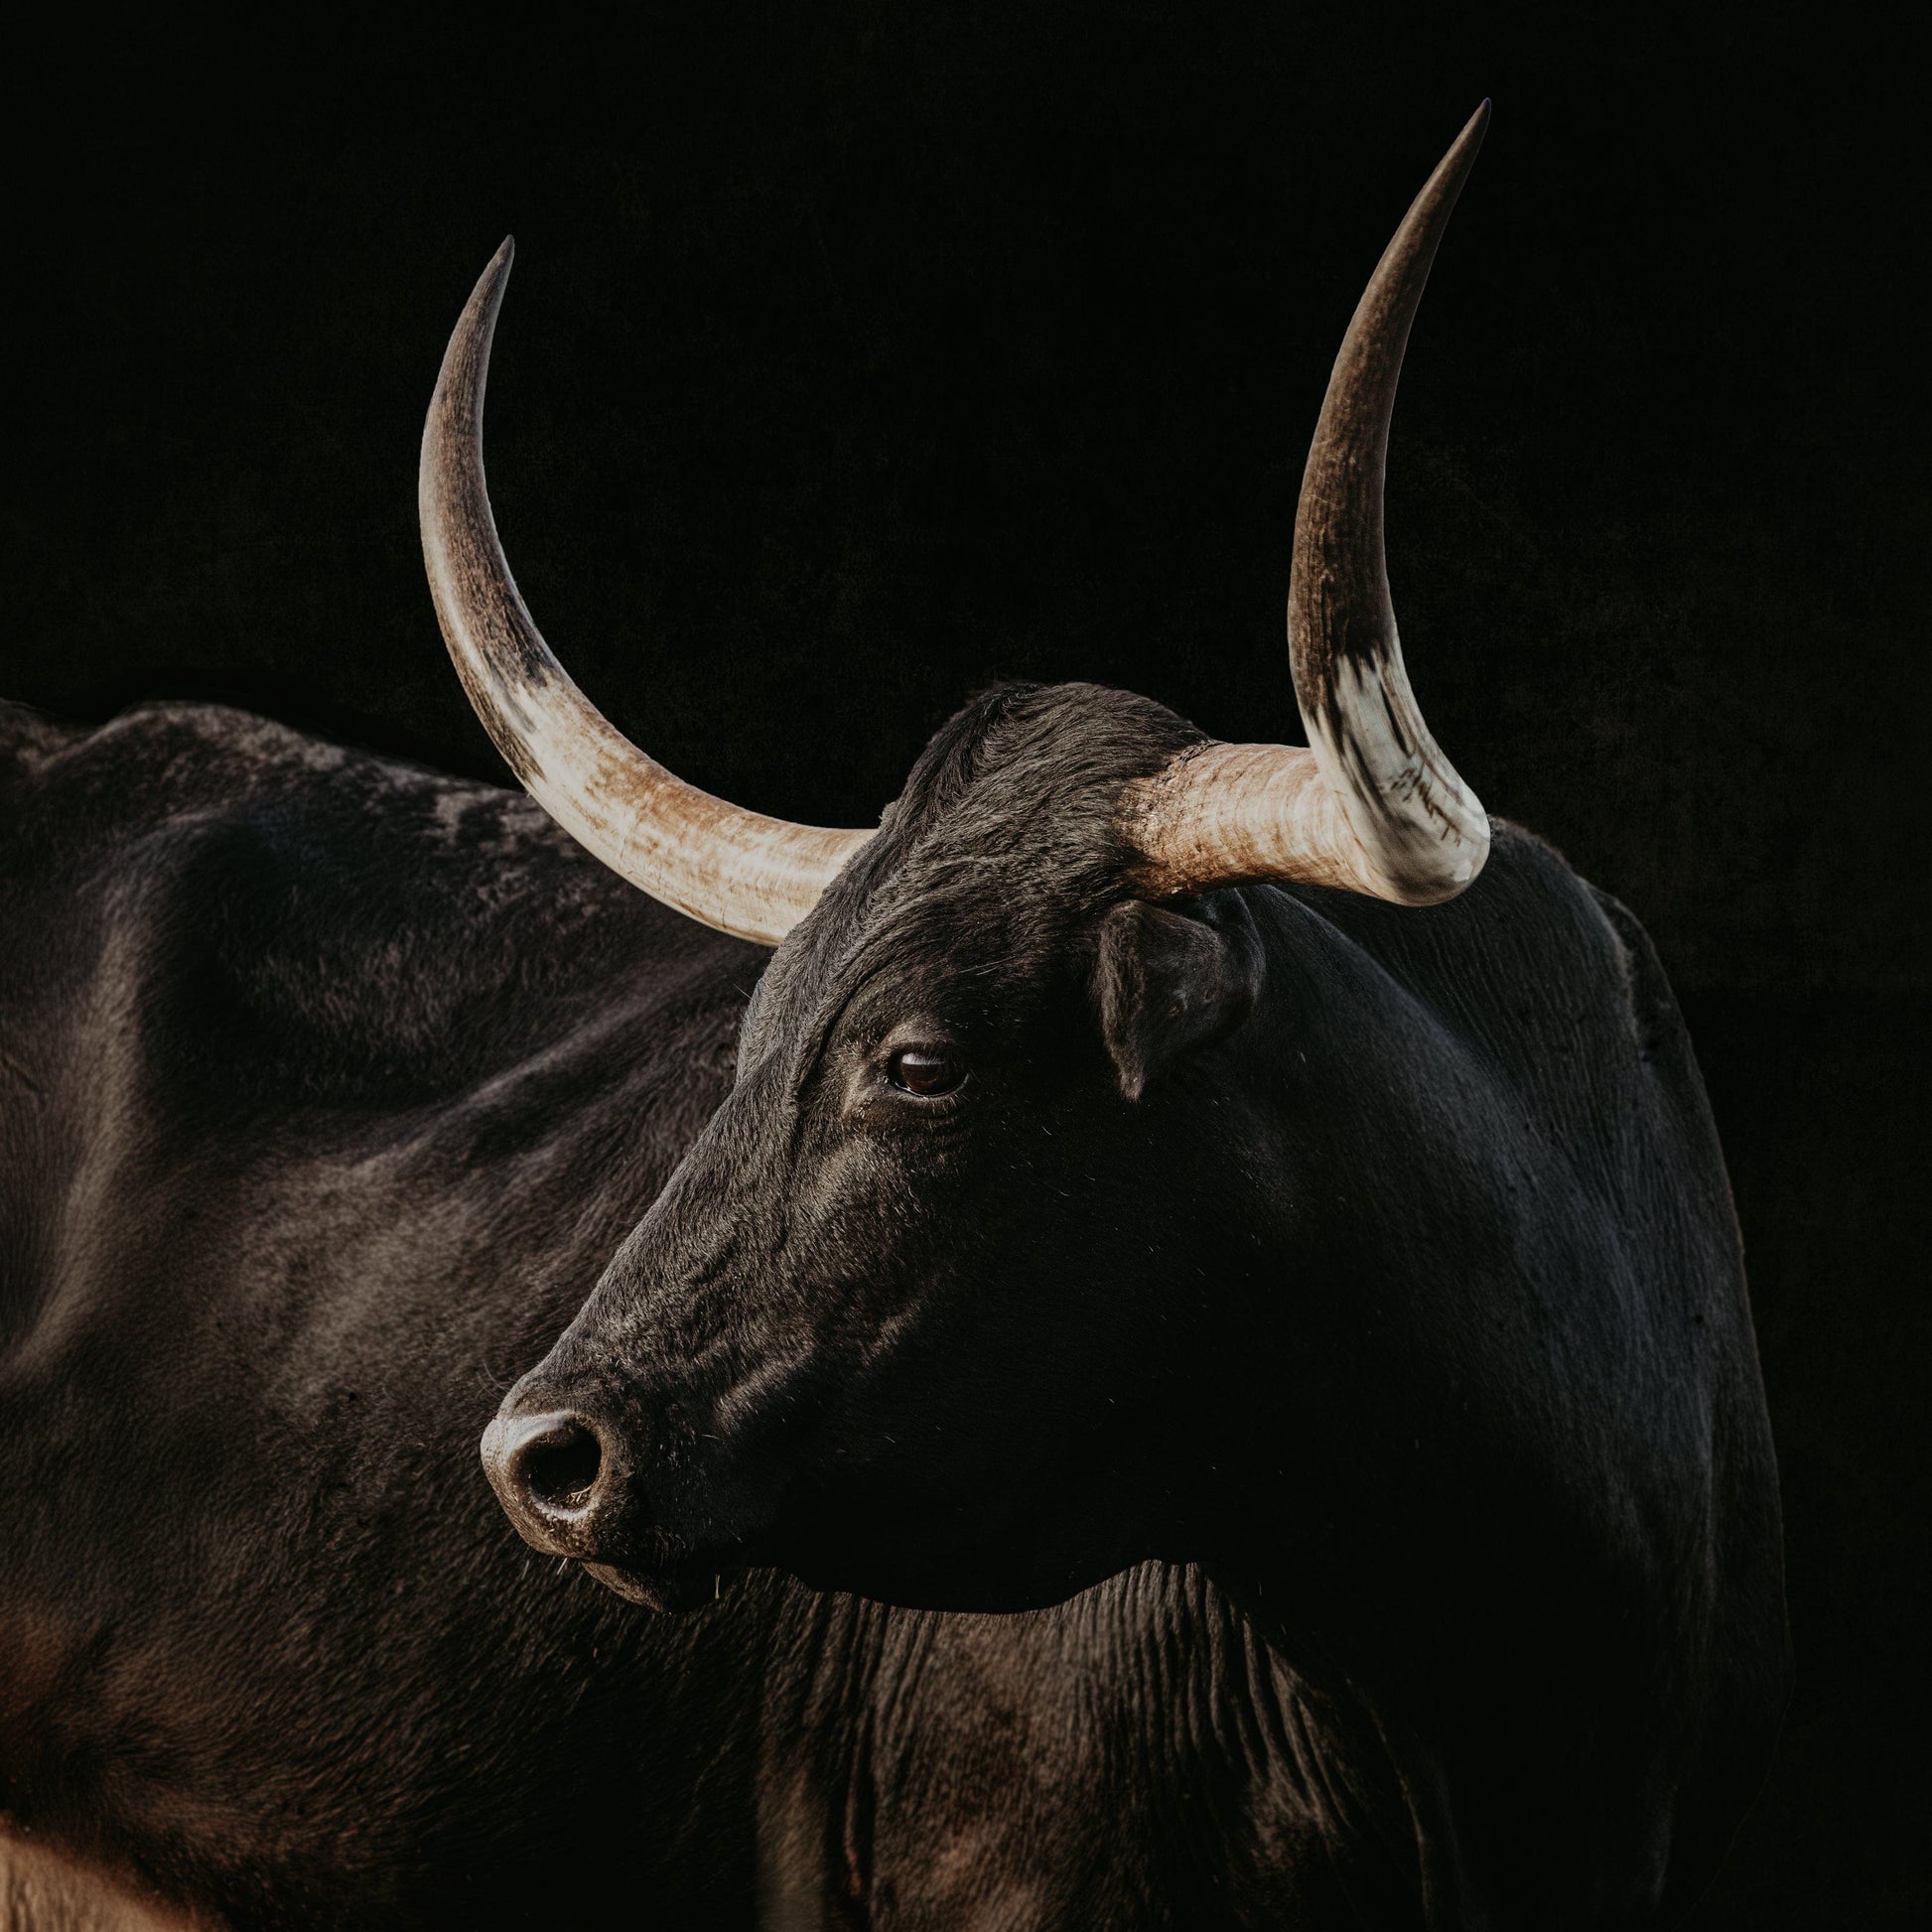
x=1000, y=852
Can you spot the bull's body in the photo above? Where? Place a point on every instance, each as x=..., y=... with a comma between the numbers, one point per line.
x=326, y=1089
x=1137, y=1147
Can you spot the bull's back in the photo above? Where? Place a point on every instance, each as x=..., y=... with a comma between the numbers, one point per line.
x=326, y=1089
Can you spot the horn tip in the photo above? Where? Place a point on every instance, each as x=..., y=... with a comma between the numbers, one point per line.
x=487, y=295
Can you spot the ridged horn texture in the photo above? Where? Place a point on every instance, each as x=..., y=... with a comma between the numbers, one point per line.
x=1373, y=806
x=735, y=870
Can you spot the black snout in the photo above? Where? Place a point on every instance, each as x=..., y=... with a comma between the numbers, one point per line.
x=557, y=1476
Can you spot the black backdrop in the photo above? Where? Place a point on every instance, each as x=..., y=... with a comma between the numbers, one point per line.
x=858, y=355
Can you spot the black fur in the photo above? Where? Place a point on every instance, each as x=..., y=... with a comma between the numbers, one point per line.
x=1410, y=1305
x=1407, y=1299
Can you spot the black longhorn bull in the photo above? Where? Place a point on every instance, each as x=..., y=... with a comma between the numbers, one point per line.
x=1144, y=1194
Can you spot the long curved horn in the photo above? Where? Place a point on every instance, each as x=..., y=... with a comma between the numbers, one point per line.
x=1372, y=805
x=735, y=870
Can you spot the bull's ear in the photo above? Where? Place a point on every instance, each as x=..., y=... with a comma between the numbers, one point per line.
x=1171, y=980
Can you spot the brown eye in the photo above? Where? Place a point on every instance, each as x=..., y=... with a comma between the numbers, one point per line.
x=926, y=1070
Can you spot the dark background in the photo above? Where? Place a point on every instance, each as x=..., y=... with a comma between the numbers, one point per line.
x=858, y=355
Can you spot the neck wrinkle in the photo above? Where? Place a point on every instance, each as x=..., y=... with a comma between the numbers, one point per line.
x=1267, y=1781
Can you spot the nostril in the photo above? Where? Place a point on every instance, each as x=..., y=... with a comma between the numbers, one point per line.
x=547, y=1470
x=558, y=1475
x=560, y=1468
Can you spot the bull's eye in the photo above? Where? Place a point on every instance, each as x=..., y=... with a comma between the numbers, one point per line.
x=927, y=1071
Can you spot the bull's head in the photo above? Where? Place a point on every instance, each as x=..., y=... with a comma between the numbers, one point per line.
x=1006, y=1167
